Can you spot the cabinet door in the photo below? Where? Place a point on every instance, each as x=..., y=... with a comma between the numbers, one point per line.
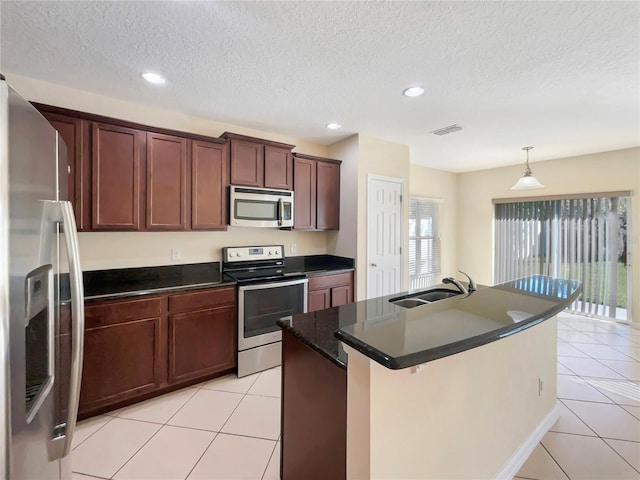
x=247, y=163
x=328, y=196
x=278, y=168
x=121, y=361
x=201, y=343
x=117, y=174
x=341, y=295
x=70, y=130
x=208, y=186
x=166, y=182
x=304, y=194
x=319, y=300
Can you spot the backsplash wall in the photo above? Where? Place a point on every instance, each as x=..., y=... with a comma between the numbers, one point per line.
x=105, y=250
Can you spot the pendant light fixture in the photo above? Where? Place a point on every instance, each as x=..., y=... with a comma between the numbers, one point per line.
x=527, y=181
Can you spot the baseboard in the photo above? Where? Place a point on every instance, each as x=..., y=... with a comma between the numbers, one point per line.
x=524, y=451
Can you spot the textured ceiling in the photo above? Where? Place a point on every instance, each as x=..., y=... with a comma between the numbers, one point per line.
x=562, y=76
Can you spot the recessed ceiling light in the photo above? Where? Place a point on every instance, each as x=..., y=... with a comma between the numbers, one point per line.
x=413, y=91
x=154, y=78
x=333, y=126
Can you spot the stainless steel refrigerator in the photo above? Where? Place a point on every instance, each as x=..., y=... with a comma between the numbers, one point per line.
x=41, y=297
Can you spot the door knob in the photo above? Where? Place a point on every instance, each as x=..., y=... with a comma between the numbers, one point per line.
x=374, y=264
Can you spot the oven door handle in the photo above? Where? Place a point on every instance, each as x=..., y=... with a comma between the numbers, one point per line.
x=263, y=286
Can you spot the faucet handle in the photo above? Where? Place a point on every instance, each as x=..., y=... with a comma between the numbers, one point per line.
x=472, y=284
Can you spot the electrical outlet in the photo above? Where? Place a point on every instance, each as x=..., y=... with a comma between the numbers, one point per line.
x=294, y=248
x=176, y=254
x=540, y=386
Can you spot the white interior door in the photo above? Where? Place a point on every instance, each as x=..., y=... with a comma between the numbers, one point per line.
x=384, y=236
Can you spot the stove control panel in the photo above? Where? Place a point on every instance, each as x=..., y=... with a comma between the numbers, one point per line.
x=249, y=254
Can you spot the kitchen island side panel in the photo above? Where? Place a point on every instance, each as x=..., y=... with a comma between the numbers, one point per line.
x=468, y=415
x=314, y=414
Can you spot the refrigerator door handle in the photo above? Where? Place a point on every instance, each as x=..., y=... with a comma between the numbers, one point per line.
x=77, y=318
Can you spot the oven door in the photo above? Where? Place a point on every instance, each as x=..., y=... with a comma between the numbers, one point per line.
x=260, y=306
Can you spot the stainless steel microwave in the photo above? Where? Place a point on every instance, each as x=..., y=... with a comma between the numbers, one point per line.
x=260, y=207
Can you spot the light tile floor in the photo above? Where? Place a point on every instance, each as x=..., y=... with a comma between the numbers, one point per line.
x=229, y=428
x=224, y=429
x=598, y=434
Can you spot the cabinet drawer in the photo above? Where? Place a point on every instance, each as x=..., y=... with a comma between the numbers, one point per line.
x=331, y=280
x=202, y=299
x=110, y=313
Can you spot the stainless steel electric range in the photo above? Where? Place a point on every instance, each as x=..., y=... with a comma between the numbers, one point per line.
x=266, y=293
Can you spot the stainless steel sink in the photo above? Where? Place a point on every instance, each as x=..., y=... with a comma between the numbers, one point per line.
x=424, y=298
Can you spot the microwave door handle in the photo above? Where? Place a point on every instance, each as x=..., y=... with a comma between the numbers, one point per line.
x=280, y=212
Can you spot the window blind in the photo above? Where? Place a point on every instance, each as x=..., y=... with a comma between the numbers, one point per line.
x=582, y=239
x=424, y=241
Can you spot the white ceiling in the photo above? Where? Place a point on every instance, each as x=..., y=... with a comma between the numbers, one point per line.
x=561, y=76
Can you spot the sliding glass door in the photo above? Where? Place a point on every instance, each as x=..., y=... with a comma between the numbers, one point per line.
x=582, y=239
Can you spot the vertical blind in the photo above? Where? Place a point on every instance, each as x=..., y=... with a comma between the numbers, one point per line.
x=581, y=239
x=424, y=241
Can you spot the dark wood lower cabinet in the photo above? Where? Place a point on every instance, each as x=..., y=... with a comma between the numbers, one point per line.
x=121, y=361
x=136, y=349
x=331, y=290
x=314, y=414
x=201, y=343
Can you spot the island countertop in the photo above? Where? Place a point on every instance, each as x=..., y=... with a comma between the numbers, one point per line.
x=397, y=337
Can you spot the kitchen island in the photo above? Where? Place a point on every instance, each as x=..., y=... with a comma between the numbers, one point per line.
x=451, y=389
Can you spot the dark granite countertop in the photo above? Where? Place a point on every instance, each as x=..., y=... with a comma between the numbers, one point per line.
x=312, y=265
x=399, y=338
x=130, y=282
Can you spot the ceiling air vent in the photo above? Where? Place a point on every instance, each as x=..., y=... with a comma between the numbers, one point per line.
x=447, y=130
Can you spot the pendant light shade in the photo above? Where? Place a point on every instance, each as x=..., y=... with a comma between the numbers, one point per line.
x=527, y=181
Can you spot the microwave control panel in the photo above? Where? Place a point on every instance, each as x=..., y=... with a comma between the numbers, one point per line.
x=244, y=254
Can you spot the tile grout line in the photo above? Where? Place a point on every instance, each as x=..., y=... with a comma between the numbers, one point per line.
x=556, y=461
x=196, y=390
x=219, y=432
x=200, y=458
x=269, y=461
x=616, y=452
x=151, y=437
x=241, y=400
x=99, y=428
x=603, y=439
x=586, y=379
x=612, y=347
x=136, y=452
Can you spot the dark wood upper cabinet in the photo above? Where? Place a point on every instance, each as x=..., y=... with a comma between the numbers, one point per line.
x=316, y=187
x=328, y=196
x=278, y=168
x=304, y=191
x=166, y=182
x=209, y=179
x=256, y=162
x=247, y=163
x=71, y=132
x=128, y=176
x=117, y=174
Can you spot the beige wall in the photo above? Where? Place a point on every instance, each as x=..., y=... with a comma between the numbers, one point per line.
x=602, y=172
x=343, y=242
x=119, y=249
x=379, y=157
x=408, y=424
x=432, y=183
